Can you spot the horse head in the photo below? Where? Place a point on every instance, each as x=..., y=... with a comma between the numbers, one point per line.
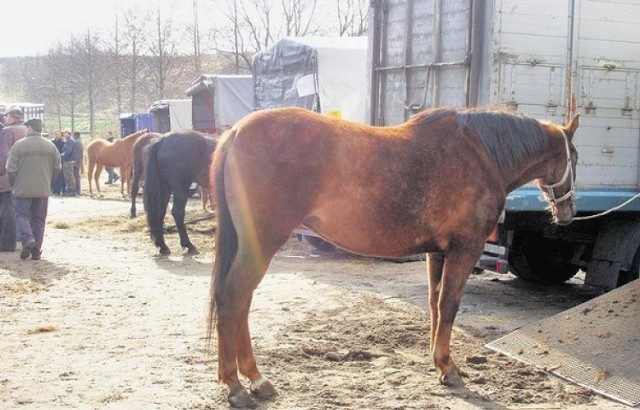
x=559, y=178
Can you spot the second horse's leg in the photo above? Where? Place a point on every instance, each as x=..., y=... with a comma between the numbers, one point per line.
x=178, y=213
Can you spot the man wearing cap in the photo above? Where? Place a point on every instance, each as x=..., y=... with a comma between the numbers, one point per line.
x=14, y=130
x=33, y=164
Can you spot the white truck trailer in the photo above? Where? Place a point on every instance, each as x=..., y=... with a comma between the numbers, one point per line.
x=550, y=59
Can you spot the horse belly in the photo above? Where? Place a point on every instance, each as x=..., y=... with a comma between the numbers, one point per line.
x=361, y=230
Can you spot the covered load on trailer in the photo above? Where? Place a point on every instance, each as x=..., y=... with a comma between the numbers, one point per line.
x=550, y=59
x=171, y=115
x=218, y=101
x=324, y=74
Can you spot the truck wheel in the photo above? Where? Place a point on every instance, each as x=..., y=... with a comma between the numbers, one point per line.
x=537, y=259
x=320, y=244
x=625, y=277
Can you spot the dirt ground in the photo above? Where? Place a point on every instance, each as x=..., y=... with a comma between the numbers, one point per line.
x=104, y=322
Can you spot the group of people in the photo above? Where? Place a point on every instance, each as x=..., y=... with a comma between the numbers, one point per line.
x=71, y=151
x=29, y=165
x=31, y=168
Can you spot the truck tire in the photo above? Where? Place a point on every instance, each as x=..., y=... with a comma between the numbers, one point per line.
x=535, y=258
x=625, y=277
x=320, y=244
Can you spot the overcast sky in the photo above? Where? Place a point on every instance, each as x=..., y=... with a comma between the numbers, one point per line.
x=33, y=26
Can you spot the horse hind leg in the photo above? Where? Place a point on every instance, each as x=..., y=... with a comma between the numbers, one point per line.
x=178, y=213
x=260, y=385
x=99, y=168
x=158, y=230
x=233, y=301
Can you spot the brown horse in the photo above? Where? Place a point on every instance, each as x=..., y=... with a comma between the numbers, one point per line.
x=140, y=154
x=102, y=153
x=435, y=184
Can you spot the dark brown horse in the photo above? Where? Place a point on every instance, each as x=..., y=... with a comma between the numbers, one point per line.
x=435, y=184
x=102, y=153
x=175, y=161
x=140, y=153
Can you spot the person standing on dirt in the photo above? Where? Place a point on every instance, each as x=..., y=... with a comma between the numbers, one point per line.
x=113, y=177
x=58, y=184
x=33, y=164
x=12, y=132
x=68, y=161
x=78, y=160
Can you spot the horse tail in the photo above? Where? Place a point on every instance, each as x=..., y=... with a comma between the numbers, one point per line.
x=226, y=236
x=154, y=192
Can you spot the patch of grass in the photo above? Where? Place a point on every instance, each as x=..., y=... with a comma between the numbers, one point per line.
x=61, y=225
x=135, y=225
x=41, y=329
x=26, y=287
x=116, y=396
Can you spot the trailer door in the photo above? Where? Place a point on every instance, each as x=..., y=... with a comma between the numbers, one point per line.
x=420, y=57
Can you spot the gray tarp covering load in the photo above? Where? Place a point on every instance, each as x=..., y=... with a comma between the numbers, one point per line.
x=324, y=74
x=219, y=101
x=171, y=115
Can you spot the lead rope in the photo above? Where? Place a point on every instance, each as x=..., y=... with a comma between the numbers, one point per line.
x=608, y=211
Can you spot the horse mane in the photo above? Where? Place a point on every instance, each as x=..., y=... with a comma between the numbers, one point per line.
x=500, y=132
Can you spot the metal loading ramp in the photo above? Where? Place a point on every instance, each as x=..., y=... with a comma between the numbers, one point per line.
x=595, y=344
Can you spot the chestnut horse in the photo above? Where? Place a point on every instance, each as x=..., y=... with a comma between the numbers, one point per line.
x=102, y=153
x=140, y=153
x=175, y=161
x=436, y=184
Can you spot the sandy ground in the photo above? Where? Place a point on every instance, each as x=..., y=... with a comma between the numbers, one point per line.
x=104, y=322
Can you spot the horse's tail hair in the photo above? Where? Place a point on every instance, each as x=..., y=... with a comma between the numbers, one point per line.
x=226, y=236
x=154, y=191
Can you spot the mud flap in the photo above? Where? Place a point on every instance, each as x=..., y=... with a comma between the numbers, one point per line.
x=614, y=250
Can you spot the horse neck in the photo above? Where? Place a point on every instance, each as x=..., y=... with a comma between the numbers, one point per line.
x=527, y=170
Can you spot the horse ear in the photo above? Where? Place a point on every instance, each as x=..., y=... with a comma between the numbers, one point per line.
x=573, y=125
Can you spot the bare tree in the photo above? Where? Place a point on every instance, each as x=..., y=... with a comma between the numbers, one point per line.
x=164, y=56
x=196, y=38
x=88, y=72
x=298, y=16
x=353, y=17
x=114, y=65
x=133, y=37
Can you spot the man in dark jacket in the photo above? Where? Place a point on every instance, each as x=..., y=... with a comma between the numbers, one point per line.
x=78, y=160
x=12, y=132
x=32, y=165
x=58, y=184
x=68, y=161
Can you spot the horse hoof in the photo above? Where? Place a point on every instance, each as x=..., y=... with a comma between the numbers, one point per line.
x=239, y=398
x=451, y=379
x=193, y=251
x=165, y=251
x=263, y=388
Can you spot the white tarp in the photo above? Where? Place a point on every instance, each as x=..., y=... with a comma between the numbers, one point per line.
x=219, y=101
x=326, y=74
x=171, y=115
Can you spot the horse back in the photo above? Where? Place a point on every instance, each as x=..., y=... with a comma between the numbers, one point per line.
x=384, y=183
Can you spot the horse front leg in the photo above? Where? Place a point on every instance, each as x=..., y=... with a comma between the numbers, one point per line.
x=435, y=262
x=457, y=267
